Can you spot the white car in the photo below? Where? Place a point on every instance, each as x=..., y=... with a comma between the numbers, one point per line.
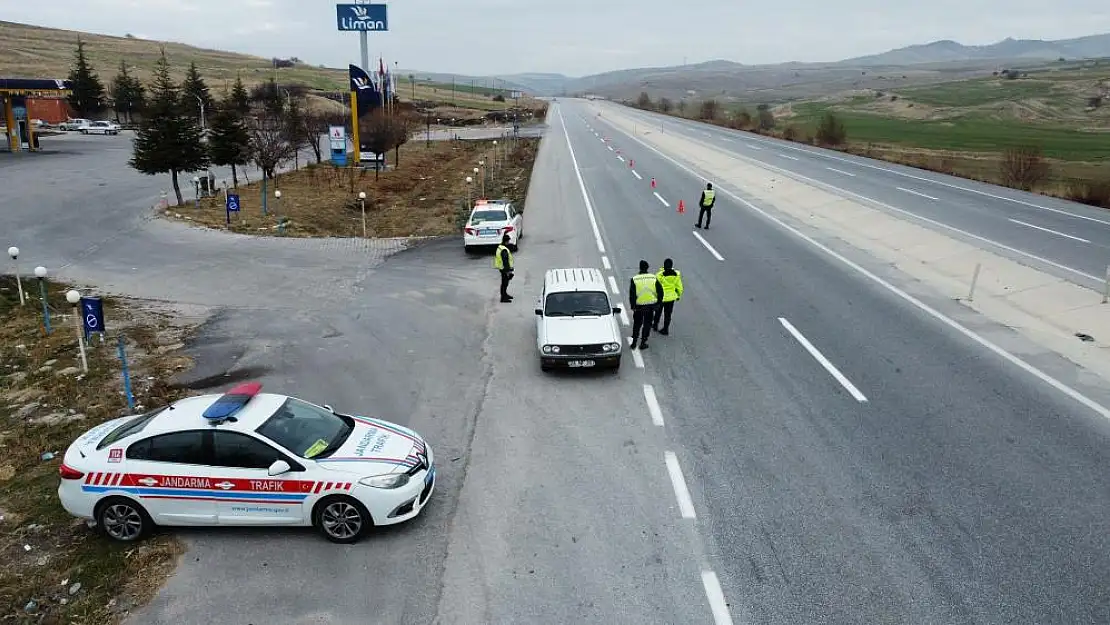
x=576, y=322
x=101, y=128
x=489, y=221
x=74, y=124
x=246, y=458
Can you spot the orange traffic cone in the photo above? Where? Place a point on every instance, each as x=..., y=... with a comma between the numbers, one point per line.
x=653, y=182
x=681, y=206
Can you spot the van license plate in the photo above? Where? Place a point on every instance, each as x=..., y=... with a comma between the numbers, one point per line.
x=580, y=363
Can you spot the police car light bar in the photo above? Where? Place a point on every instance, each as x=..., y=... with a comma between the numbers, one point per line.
x=232, y=401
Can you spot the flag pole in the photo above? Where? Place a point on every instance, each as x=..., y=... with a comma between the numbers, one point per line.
x=354, y=128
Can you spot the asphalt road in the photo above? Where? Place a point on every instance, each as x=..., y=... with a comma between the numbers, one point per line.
x=1069, y=239
x=959, y=490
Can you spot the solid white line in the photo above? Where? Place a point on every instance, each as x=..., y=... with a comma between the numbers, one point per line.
x=685, y=503
x=582, y=186
x=620, y=158
x=716, y=596
x=653, y=405
x=660, y=197
x=605, y=262
x=917, y=193
x=624, y=318
x=637, y=174
x=840, y=171
x=613, y=285
x=1061, y=234
x=709, y=247
x=819, y=357
x=793, y=158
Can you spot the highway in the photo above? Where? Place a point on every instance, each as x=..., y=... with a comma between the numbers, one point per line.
x=849, y=459
x=1069, y=239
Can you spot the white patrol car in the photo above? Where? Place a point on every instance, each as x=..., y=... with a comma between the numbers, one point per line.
x=489, y=221
x=576, y=324
x=246, y=458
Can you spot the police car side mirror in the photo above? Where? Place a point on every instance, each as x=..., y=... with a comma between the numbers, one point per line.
x=616, y=310
x=539, y=311
x=279, y=467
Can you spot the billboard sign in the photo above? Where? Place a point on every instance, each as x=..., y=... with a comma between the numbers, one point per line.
x=361, y=17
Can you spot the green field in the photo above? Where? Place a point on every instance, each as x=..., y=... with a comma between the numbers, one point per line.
x=967, y=134
x=979, y=92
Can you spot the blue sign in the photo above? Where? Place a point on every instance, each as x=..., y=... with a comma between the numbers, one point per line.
x=233, y=202
x=361, y=17
x=339, y=157
x=92, y=315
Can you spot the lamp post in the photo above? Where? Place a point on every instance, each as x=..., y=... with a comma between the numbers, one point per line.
x=13, y=251
x=496, y=156
x=74, y=297
x=362, y=207
x=469, y=180
x=482, y=164
x=277, y=211
x=476, y=170
x=40, y=273
x=196, y=189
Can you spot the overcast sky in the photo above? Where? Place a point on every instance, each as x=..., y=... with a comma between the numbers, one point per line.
x=574, y=37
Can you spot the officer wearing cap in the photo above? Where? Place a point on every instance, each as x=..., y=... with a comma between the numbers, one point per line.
x=503, y=261
x=644, y=294
x=671, y=279
x=708, y=198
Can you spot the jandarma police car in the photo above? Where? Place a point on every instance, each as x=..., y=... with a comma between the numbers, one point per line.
x=246, y=458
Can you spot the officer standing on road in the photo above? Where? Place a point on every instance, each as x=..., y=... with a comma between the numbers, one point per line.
x=644, y=293
x=708, y=197
x=503, y=261
x=671, y=279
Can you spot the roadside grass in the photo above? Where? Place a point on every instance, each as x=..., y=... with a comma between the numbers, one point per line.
x=425, y=196
x=53, y=568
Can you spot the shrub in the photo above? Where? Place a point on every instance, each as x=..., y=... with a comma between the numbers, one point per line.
x=1024, y=167
x=644, y=101
x=709, y=110
x=831, y=130
x=766, y=119
x=790, y=133
x=1093, y=192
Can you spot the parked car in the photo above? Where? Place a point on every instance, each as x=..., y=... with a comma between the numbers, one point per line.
x=101, y=128
x=74, y=124
x=489, y=221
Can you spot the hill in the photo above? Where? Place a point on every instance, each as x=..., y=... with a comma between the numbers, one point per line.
x=1093, y=46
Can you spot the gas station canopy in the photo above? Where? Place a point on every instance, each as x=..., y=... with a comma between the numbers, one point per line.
x=13, y=94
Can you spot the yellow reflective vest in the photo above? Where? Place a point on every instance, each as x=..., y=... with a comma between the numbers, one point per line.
x=672, y=285
x=708, y=199
x=497, y=262
x=645, y=288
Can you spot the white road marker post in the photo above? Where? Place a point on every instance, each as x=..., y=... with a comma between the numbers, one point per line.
x=974, y=281
x=1106, y=290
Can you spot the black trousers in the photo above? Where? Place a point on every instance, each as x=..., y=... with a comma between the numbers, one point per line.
x=643, y=317
x=505, y=277
x=707, y=212
x=664, y=314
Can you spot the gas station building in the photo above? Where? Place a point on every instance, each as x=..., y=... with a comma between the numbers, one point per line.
x=14, y=94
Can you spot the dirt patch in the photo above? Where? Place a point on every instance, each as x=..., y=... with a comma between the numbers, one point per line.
x=425, y=196
x=54, y=569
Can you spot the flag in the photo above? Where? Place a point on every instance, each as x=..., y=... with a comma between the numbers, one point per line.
x=368, y=97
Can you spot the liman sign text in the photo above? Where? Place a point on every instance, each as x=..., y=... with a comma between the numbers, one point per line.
x=361, y=17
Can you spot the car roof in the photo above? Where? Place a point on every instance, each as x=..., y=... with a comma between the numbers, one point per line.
x=574, y=279
x=188, y=413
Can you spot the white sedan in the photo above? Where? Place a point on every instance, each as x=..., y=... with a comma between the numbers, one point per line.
x=101, y=128
x=489, y=221
x=246, y=458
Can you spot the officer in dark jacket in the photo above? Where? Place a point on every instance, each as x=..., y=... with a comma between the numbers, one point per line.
x=503, y=262
x=708, y=198
x=671, y=279
x=644, y=294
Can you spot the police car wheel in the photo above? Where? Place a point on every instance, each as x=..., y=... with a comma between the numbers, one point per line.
x=342, y=519
x=122, y=519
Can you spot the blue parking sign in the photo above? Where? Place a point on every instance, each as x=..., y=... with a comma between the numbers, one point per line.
x=233, y=202
x=92, y=315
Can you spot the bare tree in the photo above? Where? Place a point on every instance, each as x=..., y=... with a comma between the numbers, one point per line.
x=1024, y=167
x=378, y=133
x=270, y=145
x=315, y=124
x=665, y=105
x=709, y=110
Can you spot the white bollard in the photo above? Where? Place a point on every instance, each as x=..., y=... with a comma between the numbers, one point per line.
x=974, y=281
x=1106, y=290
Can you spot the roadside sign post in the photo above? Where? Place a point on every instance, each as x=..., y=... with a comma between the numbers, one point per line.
x=231, y=205
x=126, y=375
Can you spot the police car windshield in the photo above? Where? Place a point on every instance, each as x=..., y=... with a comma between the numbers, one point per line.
x=577, y=304
x=487, y=215
x=306, y=430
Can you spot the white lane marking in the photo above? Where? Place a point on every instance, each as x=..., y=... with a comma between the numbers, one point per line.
x=605, y=262
x=820, y=358
x=610, y=147
x=620, y=158
x=917, y=193
x=613, y=285
x=716, y=596
x=840, y=171
x=624, y=318
x=637, y=174
x=582, y=186
x=793, y=158
x=729, y=139
x=685, y=503
x=660, y=197
x=653, y=405
x=709, y=247
x=637, y=357
x=1060, y=234
x=752, y=146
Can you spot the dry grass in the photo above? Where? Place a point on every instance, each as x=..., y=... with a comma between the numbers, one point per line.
x=46, y=404
x=425, y=196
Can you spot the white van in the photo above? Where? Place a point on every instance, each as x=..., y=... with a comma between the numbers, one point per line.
x=576, y=322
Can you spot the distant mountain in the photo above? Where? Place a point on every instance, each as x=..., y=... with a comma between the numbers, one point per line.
x=1093, y=46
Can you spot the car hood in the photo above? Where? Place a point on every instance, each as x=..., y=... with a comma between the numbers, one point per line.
x=377, y=447
x=578, y=330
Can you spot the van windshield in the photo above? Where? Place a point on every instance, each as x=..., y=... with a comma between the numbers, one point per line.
x=577, y=304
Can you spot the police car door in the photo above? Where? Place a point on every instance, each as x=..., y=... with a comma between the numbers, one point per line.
x=167, y=473
x=251, y=496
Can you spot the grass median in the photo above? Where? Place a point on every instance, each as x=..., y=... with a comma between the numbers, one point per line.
x=54, y=569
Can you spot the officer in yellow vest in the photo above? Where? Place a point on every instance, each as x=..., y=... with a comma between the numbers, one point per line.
x=644, y=294
x=708, y=197
x=671, y=279
x=503, y=261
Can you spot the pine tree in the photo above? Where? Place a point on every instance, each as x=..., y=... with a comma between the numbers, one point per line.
x=168, y=141
x=86, y=91
x=195, y=96
x=128, y=92
x=229, y=139
x=240, y=98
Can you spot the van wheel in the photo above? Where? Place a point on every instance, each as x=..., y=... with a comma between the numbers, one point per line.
x=123, y=520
